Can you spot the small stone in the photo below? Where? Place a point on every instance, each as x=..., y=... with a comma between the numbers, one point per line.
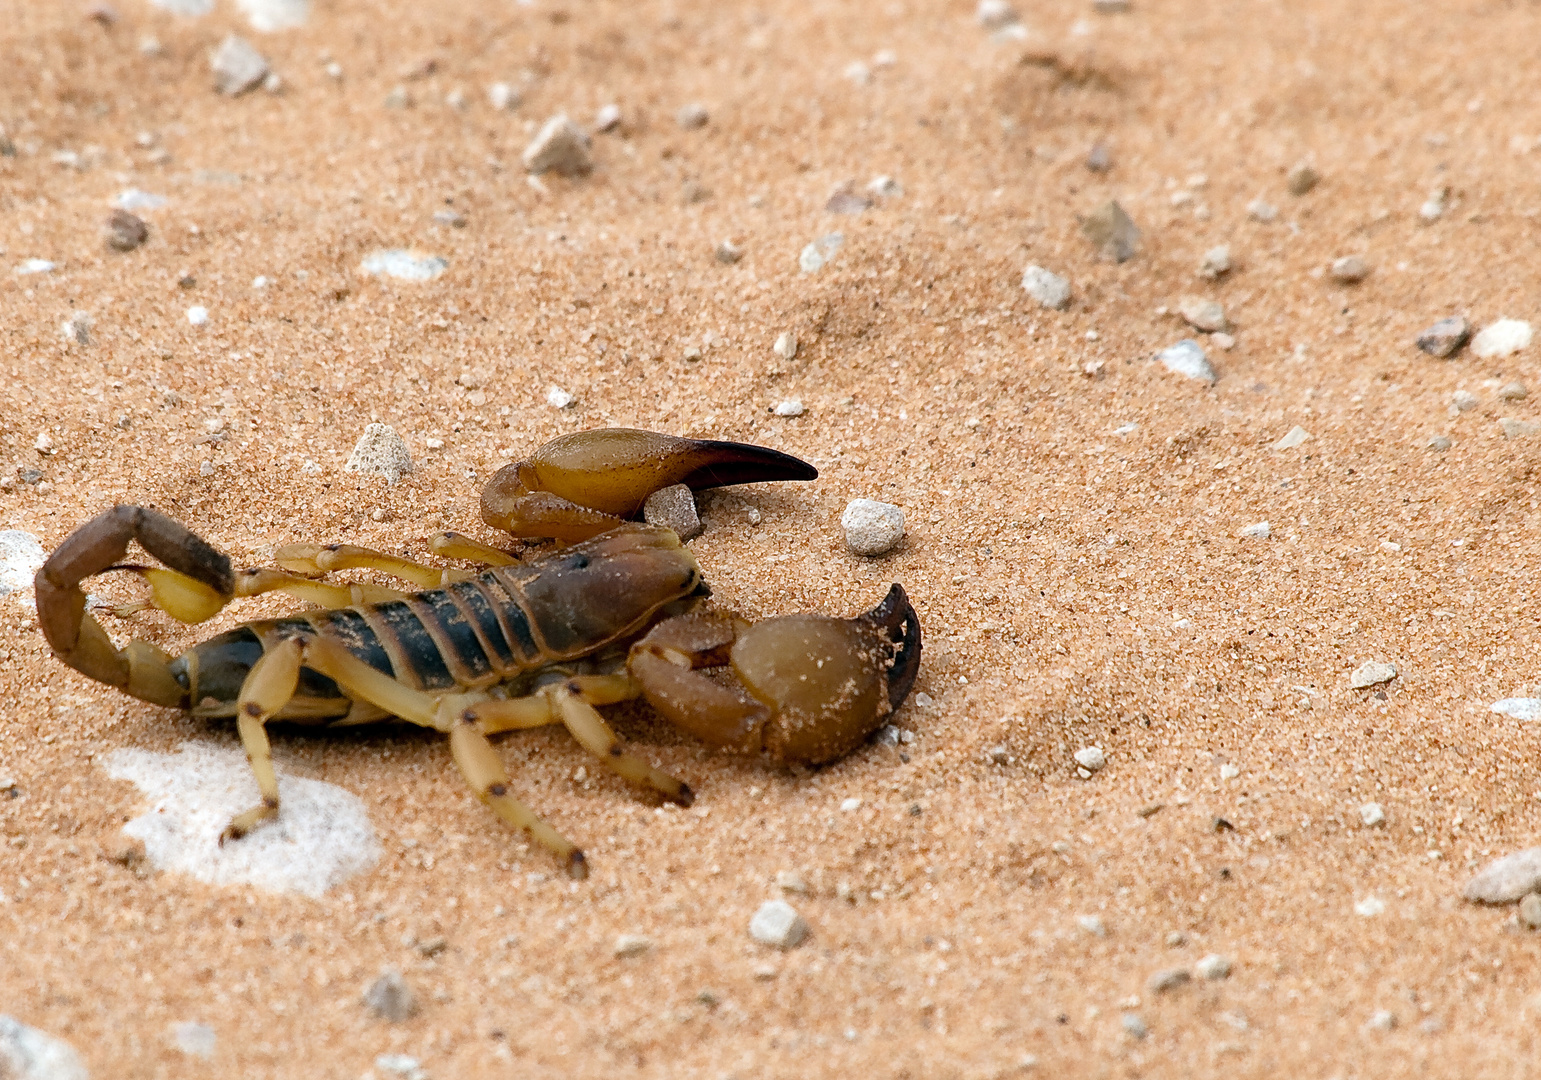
x=1261, y=211
x=1112, y=232
x=237, y=66
x=273, y=83
x=29, y=1054
x=1433, y=207
x=1216, y=264
x=1187, y=358
x=1519, y=708
x=1371, y=673
x=503, y=96
x=1348, y=270
x=381, y=452
x=1176, y=939
x=558, y=398
x=791, y=881
x=1501, y=338
x=1519, y=429
x=816, y=255
x=884, y=187
x=390, y=998
x=1167, y=980
x=1440, y=443
x=1446, y=337
x=560, y=147
x=1099, y=159
x=788, y=408
x=402, y=1065
x=673, y=507
x=125, y=232
x=452, y=218
x=1370, y=907
x=1464, y=400
x=1133, y=1026
x=1091, y=758
x=1092, y=924
x=1292, y=438
x=1505, y=880
x=1530, y=911
x=333, y=70
x=1381, y=1020
x=998, y=755
x=692, y=354
x=36, y=266
x=1202, y=314
x=403, y=265
x=607, y=119
x=778, y=923
x=692, y=191
x=1514, y=391
x=850, y=805
x=194, y=1039
x=995, y=14
x=398, y=98
x=872, y=528
x=1213, y=967
x=728, y=253
x=846, y=201
x=198, y=315
x=1302, y=178
x=692, y=117
x=21, y=555
x=786, y=345
x=77, y=328
x=1372, y=815
x=1258, y=530
x=628, y=945
x=1046, y=287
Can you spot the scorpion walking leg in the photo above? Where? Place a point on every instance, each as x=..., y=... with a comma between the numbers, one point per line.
x=317, y=559
x=453, y=545
x=267, y=689
x=574, y=702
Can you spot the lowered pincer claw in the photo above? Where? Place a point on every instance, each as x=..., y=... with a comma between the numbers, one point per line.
x=809, y=688
x=581, y=484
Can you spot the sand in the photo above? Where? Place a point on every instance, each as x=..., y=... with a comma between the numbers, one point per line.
x=1075, y=517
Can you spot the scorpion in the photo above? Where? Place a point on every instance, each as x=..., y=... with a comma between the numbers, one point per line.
x=607, y=616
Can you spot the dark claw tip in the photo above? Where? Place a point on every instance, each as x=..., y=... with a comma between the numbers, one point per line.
x=577, y=866
x=896, y=616
x=685, y=797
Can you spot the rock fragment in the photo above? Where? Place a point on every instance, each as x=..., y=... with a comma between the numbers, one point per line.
x=1090, y=759
x=1501, y=338
x=728, y=253
x=1261, y=211
x=607, y=119
x=1446, y=337
x=77, y=328
x=194, y=1039
x=125, y=232
x=1439, y=443
x=884, y=187
x=1371, y=673
x=558, y=398
x=21, y=555
x=1464, y=401
x=1112, y=232
x=995, y=14
x=1505, y=880
x=629, y=945
x=1258, y=530
x=1099, y=159
x=777, y=923
x=1133, y=1025
x=1372, y=815
x=1187, y=358
x=1530, y=911
x=1519, y=429
x=1512, y=391
x=1203, y=314
x=560, y=146
x=403, y=265
x=1213, y=967
x=1348, y=270
x=1046, y=287
x=786, y=345
x=237, y=66
x=872, y=528
x=381, y=452
x=1302, y=178
x=390, y=998
x=845, y=201
x=692, y=117
x=503, y=96
x=1168, y=979
x=1519, y=708
x=1433, y=207
x=1292, y=438
x=788, y=407
x=29, y=1054
x=1216, y=264
x=816, y=255
x=673, y=507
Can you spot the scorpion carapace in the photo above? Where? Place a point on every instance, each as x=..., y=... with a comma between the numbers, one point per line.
x=512, y=645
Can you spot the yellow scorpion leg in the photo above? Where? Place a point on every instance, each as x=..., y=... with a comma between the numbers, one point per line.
x=267, y=689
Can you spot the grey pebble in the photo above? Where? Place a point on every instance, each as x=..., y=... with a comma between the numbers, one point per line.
x=402, y=1065
x=871, y=527
x=1348, y=270
x=692, y=116
x=1168, y=979
x=1446, y=337
x=846, y=201
x=1514, y=391
x=995, y=14
x=628, y=945
x=382, y=452
x=560, y=146
x=1464, y=400
x=673, y=507
x=194, y=1039
x=125, y=231
x=1099, y=159
x=390, y=998
x=1187, y=357
x=77, y=328
x=1381, y=1020
x=1519, y=429
x=1046, y=287
x=1203, y=314
x=1371, y=673
x=1112, y=232
x=1216, y=263
x=1372, y=814
x=1133, y=1025
x=1505, y=880
x=778, y=923
x=1530, y=910
x=1213, y=967
x=29, y=1054
x=237, y=66
x=728, y=253
x=1440, y=443
x=1261, y=211
x=1302, y=178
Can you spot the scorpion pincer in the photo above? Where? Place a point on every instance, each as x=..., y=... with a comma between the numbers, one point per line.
x=608, y=618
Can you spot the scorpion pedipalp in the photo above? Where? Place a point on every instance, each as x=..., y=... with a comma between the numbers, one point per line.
x=809, y=688
x=582, y=484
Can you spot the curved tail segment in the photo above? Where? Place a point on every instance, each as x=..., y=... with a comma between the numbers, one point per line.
x=582, y=484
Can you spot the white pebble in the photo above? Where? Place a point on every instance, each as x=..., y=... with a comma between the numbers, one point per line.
x=402, y=1065
x=872, y=527
x=1371, y=673
x=198, y=315
x=778, y=923
x=1292, y=438
x=1519, y=708
x=848, y=805
x=1217, y=263
x=558, y=398
x=502, y=96
x=77, y=328
x=1381, y=1020
x=1261, y=211
x=1501, y=338
x=1259, y=530
x=1202, y=314
x=608, y=118
x=1505, y=880
x=1091, y=758
x=816, y=255
x=1370, y=907
x=193, y=1039
x=995, y=14
x=237, y=66
x=560, y=147
x=1348, y=270
x=404, y=265
x=884, y=187
x=789, y=407
x=29, y=1054
x=1092, y=924
x=673, y=507
x=786, y=345
x=381, y=452
x=36, y=266
x=1372, y=815
x=1433, y=207
x=631, y=945
x=134, y=199
x=21, y=555
x=692, y=116
x=1046, y=287
x=1213, y=966
x=1464, y=400
x=1187, y=358
x=1229, y=772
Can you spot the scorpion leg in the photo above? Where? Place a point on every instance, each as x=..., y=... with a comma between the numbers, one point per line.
x=197, y=585
x=267, y=689
x=582, y=484
x=453, y=545
x=317, y=559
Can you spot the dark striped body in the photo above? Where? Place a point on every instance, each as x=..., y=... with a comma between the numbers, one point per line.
x=496, y=628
